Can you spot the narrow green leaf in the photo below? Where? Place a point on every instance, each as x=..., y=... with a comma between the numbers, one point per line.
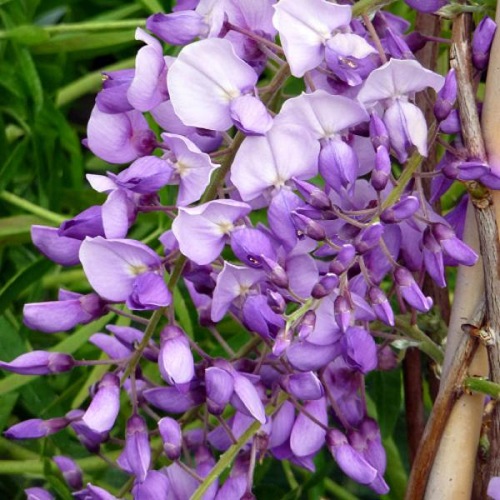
x=22, y=280
x=69, y=345
x=31, y=77
x=27, y=34
x=154, y=6
x=182, y=312
x=7, y=403
x=78, y=43
x=17, y=229
x=395, y=474
x=385, y=390
x=13, y=162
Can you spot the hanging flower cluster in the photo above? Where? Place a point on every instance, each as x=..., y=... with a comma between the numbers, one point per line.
x=344, y=239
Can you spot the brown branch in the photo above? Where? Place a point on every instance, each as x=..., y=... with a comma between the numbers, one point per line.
x=485, y=213
x=414, y=404
x=436, y=424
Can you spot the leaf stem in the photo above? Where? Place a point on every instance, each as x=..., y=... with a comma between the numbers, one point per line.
x=32, y=208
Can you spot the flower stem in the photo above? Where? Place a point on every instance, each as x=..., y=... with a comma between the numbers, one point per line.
x=482, y=385
x=227, y=457
x=32, y=208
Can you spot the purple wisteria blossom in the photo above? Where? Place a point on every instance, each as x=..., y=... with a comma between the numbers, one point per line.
x=211, y=87
x=392, y=85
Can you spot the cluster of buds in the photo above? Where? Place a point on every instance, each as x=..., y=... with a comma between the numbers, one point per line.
x=289, y=218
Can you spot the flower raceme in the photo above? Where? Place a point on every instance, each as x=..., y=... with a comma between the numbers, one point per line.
x=289, y=221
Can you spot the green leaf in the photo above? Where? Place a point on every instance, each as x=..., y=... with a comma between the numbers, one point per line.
x=22, y=280
x=78, y=43
x=17, y=229
x=28, y=34
x=13, y=162
x=31, y=77
x=182, y=312
x=154, y=6
x=69, y=345
x=7, y=403
x=385, y=389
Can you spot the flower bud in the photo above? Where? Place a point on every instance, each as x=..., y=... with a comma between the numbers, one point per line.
x=381, y=305
x=137, y=452
x=276, y=301
x=344, y=259
x=314, y=196
x=37, y=493
x=382, y=170
x=305, y=386
x=70, y=470
x=481, y=42
x=171, y=435
x=410, y=291
x=369, y=237
x=308, y=227
x=378, y=133
x=36, y=428
x=219, y=386
x=105, y=406
x=401, y=210
x=307, y=325
x=446, y=97
x=175, y=359
x=453, y=246
x=39, y=363
x=251, y=245
x=276, y=274
x=343, y=312
x=325, y=285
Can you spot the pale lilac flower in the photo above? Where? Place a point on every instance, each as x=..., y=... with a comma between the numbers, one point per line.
x=269, y=161
x=124, y=270
x=105, y=405
x=306, y=27
x=70, y=310
x=137, y=452
x=155, y=487
x=219, y=386
x=39, y=363
x=36, y=428
x=494, y=488
x=393, y=84
x=148, y=87
x=202, y=231
x=307, y=436
x=119, y=137
x=192, y=168
x=232, y=282
x=171, y=435
x=306, y=386
x=60, y=249
x=205, y=82
x=70, y=471
x=175, y=359
x=37, y=493
x=177, y=28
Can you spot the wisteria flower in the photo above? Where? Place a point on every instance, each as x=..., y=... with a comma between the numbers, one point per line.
x=125, y=270
x=392, y=85
x=202, y=231
x=306, y=27
x=211, y=87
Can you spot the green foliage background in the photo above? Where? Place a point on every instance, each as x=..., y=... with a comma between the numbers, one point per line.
x=48, y=79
